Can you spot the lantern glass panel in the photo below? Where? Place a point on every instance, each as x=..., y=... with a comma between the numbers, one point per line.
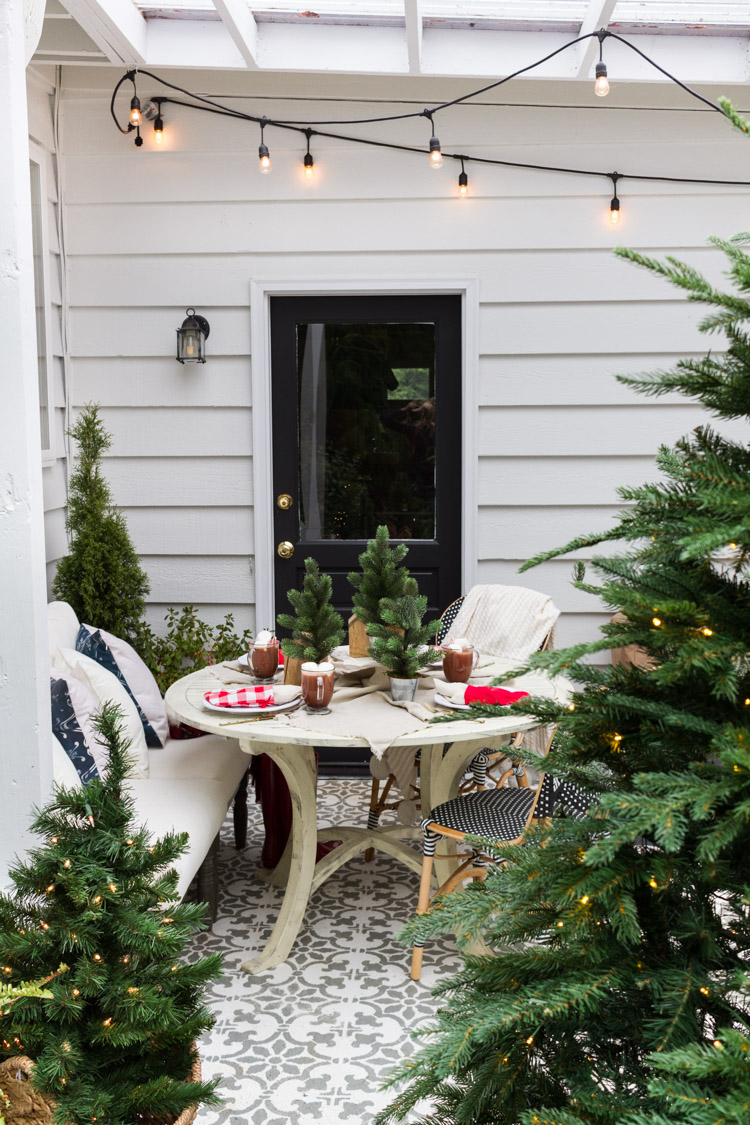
x=190, y=345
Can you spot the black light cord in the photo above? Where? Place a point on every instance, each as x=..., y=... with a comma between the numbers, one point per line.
x=463, y=157
x=208, y=105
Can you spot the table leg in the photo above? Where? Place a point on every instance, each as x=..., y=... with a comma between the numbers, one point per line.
x=297, y=763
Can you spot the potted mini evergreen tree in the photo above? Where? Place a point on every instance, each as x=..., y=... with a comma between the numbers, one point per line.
x=115, y=1042
x=401, y=643
x=620, y=988
x=315, y=626
x=101, y=577
x=382, y=576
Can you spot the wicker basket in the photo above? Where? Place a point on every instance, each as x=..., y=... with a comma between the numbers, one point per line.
x=27, y=1107
x=21, y=1105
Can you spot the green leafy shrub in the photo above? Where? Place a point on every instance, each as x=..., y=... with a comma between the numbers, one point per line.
x=188, y=644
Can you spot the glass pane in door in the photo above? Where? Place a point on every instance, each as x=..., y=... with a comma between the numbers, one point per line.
x=366, y=430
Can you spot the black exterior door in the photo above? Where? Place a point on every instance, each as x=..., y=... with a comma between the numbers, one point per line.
x=366, y=399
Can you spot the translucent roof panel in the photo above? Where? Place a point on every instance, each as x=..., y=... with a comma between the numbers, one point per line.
x=657, y=15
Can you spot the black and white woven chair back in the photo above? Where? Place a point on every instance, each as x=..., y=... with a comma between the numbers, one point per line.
x=565, y=796
x=446, y=621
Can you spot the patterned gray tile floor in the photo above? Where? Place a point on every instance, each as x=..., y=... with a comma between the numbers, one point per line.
x=312, y=1041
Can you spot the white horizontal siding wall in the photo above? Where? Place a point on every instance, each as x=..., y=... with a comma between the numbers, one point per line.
x=152, y=231
x=40, y=91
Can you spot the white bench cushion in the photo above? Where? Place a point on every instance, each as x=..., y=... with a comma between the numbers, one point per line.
x=211, y=757
x=197, y=807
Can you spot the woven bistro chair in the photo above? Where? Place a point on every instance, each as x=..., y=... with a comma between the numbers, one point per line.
x=499, y=766
x=501, y=815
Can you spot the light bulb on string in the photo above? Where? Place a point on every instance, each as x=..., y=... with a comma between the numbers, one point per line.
x=614, y=204
x=135, y=111
x=309, y=163
x=158, y=130
x=463, y=182
x=436, y=156
x=264, y=156
x=601, y=82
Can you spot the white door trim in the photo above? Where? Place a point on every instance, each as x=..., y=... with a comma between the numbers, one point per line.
x=261, y=291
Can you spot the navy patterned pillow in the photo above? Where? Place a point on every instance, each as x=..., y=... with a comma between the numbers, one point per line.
x=94, y=645
x=68, y=733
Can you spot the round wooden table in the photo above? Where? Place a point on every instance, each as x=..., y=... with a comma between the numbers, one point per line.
x=291, y=747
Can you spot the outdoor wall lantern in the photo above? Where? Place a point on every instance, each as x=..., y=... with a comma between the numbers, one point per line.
x=191, y=338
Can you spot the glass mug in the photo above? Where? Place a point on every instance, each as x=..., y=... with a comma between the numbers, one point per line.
x=317, y=686
x=459, y=663
x=264, y=660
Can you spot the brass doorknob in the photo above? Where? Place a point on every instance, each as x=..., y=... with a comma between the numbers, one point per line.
x=284, y=501
x=285, y=549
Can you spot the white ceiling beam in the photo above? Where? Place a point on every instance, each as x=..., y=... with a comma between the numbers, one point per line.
x=413, y=15
x=598, y=15
x=116, y=26
x=240, y=23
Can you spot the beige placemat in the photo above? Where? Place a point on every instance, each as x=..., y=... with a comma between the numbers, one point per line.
x=366, y=710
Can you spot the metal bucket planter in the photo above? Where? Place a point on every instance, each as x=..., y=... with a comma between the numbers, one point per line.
x=403, y=690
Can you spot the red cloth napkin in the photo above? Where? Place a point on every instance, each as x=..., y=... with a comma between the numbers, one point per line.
x=260, y=696
x=496, y=695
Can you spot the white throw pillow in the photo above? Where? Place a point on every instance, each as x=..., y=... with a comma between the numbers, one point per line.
x=108, y=689
x=137, y=676
x=62, y=627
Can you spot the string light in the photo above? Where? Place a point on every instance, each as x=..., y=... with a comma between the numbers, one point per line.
x=67, y=863
x=584, y=900
x=113, y=887
x=601, y=83
x=652, y=882
x=76, y=992
x=463, y=182
x=309, y=163
x=97, y=956
x=614, y=204
x=707, y=632
x=158, y=130
x=264, y=161
x=436, y=155
x=135, y=110
x=656, y=621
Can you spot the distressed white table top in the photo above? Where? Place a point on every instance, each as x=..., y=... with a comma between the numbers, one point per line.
x=184, y=701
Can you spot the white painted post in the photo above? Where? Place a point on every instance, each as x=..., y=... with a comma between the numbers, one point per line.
x=25, y=741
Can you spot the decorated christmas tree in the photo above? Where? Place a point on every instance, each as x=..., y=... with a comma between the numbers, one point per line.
x=316, y=627
x=101, y=577
x=115, y=1042
x=618, y=988
x=383, y=576
x=400, y=641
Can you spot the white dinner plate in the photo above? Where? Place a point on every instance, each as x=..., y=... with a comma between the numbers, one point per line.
x=254, y=710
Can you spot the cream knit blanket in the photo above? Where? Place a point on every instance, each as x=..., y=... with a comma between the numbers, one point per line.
x=507, y=621
x=512, y=622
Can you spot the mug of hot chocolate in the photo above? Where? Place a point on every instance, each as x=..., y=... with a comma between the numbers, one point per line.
x=459, y=660
x=263, y=656
x=317, y=686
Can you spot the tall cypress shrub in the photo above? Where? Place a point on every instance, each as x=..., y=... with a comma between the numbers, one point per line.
x=101, y=577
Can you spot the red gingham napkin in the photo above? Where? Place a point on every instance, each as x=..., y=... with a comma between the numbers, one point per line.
x=496, y=695
x=260, y=696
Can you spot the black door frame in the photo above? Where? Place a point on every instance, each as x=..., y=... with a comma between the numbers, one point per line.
x=261, y=566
